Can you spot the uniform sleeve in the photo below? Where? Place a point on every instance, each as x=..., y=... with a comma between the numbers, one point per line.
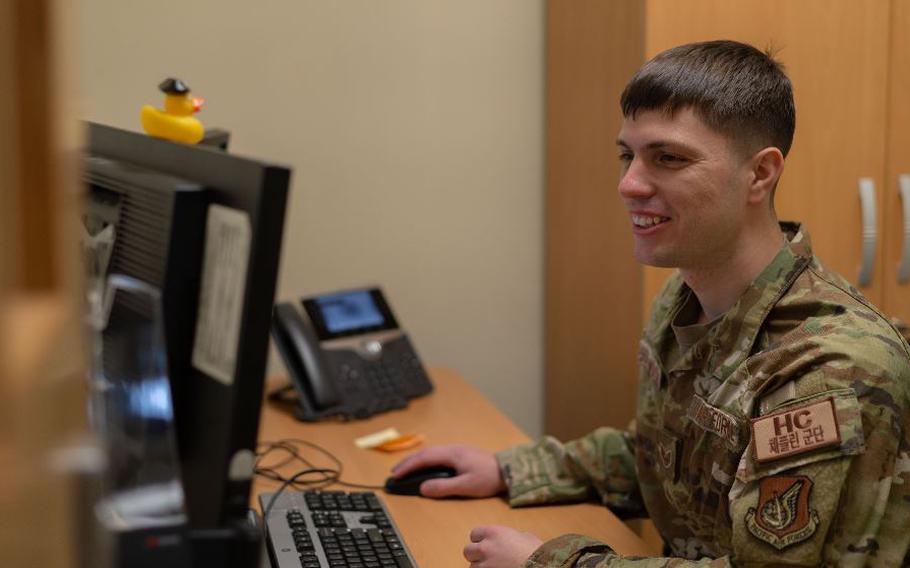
x=845, y=506
x=601, y=463
x=578, y=551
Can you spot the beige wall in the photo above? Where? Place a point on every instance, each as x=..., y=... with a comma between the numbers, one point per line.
x=415, y=131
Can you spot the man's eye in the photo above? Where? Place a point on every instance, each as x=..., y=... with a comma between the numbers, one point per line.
x=671, y=159
x=625, y=157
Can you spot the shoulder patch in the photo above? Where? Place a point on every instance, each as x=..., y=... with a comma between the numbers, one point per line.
x=796, y=430
x=784, y=439
x=783, y=517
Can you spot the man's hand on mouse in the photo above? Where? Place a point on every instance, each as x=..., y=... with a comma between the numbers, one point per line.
x=478, y=471
x=496, y=546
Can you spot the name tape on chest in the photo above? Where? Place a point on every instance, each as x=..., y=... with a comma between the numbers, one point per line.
x=795, y=430
x=714, y=420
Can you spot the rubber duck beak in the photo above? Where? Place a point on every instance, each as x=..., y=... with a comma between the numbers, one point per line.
x=197, y=103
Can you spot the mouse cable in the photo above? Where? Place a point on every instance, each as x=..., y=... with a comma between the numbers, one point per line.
x=293, y=455
x=266, y=449
x=291, y=480
x=358, y=485
x=328, y=475
x=288, y=445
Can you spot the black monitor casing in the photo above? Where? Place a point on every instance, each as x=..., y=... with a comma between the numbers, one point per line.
x=166, y=189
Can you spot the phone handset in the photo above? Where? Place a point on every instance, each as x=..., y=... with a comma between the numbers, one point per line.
x=299, y=346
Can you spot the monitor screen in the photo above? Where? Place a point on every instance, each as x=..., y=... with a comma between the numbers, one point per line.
x=204, y=227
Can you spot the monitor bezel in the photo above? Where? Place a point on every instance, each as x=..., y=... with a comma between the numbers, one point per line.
x=216, y=497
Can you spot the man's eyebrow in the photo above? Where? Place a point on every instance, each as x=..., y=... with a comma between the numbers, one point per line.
x=659, y=144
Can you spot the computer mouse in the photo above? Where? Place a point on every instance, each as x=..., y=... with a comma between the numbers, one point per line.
x=410, y=483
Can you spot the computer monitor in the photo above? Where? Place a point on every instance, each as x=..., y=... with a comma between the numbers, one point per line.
x=204, y=227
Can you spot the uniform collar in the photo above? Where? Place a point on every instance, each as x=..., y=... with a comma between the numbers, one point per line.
x=797, y=239
x=733, y=337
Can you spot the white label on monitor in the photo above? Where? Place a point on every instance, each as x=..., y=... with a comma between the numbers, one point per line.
x=227, y=251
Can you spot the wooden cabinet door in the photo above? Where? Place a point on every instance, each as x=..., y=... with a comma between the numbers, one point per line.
x=836, y=54
x=45, y=518
x=593, y=284
x=897, y=294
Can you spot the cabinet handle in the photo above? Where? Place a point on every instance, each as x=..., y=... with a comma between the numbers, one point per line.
x=870, y=231
x=903, y=269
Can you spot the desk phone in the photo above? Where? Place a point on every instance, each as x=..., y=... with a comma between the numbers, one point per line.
x=346, y=355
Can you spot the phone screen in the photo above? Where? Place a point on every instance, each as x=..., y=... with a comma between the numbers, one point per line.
x=349, y=313
x=353, y=310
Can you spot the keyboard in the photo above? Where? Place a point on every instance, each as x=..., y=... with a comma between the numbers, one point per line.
x=329, y=529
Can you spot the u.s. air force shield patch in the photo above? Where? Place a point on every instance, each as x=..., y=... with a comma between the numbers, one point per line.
x=782, y=517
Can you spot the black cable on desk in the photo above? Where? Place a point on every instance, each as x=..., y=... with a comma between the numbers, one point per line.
x=329, y=476
x=288, y=445
x=290, y=481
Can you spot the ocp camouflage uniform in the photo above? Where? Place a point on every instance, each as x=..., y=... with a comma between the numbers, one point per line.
x=778, y=434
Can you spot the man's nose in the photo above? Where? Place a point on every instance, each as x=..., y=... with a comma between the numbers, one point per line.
x=634, y=182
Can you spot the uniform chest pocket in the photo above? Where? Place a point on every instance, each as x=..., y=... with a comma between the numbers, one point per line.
x=711, y=446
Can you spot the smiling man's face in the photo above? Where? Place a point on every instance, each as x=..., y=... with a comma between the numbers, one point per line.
x=685, y=189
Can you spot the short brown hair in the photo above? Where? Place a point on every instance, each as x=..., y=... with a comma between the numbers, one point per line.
x=736, y=89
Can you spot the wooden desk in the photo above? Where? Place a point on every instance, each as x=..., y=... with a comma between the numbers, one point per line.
x=437, y=530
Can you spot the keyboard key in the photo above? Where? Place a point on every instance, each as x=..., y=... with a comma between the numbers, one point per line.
x=373, y=502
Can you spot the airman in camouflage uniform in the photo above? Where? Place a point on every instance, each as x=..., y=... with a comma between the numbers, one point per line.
x=774, y=400
x=800, y=339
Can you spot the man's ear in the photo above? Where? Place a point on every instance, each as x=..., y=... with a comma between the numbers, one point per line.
x=767, y=165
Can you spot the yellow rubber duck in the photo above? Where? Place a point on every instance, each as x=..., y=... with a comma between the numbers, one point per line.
x=176, y=122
